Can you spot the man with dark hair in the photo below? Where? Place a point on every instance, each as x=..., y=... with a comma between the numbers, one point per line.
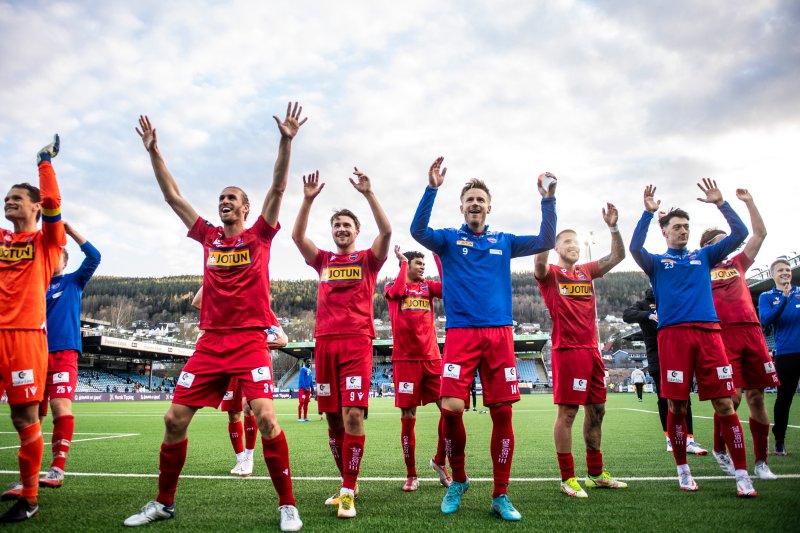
x=645, y=313
x=28, y=258
x=578, y=369
x=344, y=326
x=479, y=324
x=304, y=391
x=744, y=341
x=234, y=315
x=689, y=339
x=780, y=308
x=416, y=361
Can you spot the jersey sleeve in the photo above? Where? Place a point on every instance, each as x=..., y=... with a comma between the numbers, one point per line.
x=55, y=237
x=200, y=230
x=719, y=251
x=263, y=230
x=592, y=269
x=524, y=245
x=435, y=288
x=396, y=290
x=89, y=264
x=317, y=264
x=431, y=239
x=742, y=262
x=375, y=264
x=642, y=257
x=769, y=313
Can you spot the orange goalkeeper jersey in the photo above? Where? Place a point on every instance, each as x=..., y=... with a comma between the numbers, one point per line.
x=28, y=260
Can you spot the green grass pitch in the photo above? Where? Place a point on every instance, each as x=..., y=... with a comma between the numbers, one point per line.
x=114, y=459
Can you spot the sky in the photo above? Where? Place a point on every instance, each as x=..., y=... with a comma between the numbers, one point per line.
x=608, y=96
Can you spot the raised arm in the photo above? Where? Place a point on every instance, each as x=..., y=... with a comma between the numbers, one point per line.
x=311, y=188
x=92, y=256
x=640, y=255
x=280, y=175
x=605, y=264
x=172, y=195
x=397, y=290
x=380, y=246
x=427, y=237
x=524, y=245
x=717, y=252
x=52, y=226
x=759, y=228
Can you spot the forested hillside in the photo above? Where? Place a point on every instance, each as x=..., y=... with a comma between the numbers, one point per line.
x=122, y=300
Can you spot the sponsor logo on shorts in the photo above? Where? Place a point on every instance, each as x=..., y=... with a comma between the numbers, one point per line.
x=495, y=251
x=406, y=387
x=61, y=377
x=228, y=395
x=452, y=371
x=341, y=273
x=14, y=253
x=22, y=377
x=675, y=376
x=511, y=373
x=220, y=258
x=415, y=304
x=575, y=289
x=261, y=373
x=323, y=389
x=465, y=243
x=769, y=368
x=353, y=382
x=579, y=384
x=721, y=274
x=725, y=372
x=186, y=379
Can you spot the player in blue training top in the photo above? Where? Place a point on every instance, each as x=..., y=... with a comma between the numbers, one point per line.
x=689, y=334
x=304, y=391
x=479, y=334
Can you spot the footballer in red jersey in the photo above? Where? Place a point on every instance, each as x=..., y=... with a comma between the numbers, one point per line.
x=234, y=315
x=744, y=341
x=578, y=369
x=344, y=326
x=416, y=360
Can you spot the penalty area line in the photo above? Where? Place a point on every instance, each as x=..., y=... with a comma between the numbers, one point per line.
x=111, y=436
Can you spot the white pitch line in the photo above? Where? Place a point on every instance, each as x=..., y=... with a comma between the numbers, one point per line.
x=693, y=416
x=112, y=436
x=388, y=479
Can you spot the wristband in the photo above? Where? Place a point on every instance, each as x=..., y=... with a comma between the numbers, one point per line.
x=613, y=229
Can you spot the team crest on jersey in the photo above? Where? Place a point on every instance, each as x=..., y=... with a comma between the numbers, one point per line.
x=353, y=383
x=221, y=258
x=579, y=384
x=462, y=242
x=769, y=367
x=323, y=389
x=341, y=273
x=511, y=373
x=352, y=257
x=261, y=373
x=406, y=387
x=411, y=303
x=575, y=289
x=186, y=379
x=17, y=252
x=61, y=377
x=22, y=377
x=675, y=376
x=724, y=372
x=452, y=371
x=228, y=396
x=491, y=240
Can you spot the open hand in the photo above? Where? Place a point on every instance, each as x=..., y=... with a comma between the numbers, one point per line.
x=650, y=203
x=610, y=215
x=148, y=134
x=436, y=173
x=712, y=192
x=311, y=185
x=399, y=255
x=291, y=124
x=363, y=185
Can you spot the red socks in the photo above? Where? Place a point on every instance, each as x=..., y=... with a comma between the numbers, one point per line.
x=676, y=427
x=594, y=462
x=250, y=432
x=235, y=430
x=30, y=460
x=502, y=447
x=760, y=434
x=170, y=464
x=353, y=449
x=734, y=439
x=63, y=428
x=305, y=410
x=719, y=442
x=276, y=455
x=566, y=464
x=440, y=455
x=455, y=441
x=409, y=443
x=335, y=441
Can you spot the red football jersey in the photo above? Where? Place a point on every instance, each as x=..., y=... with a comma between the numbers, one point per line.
x=235, y=276
x=731, y=296
x=411, y=312
x=570, y=298
x=344, y=298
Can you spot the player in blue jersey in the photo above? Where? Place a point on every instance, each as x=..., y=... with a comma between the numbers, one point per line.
x=780, y=308
x=689, y=334
x=304, y=386
x=479, y=334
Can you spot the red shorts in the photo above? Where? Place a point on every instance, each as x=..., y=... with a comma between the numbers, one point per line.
x=23, y=364
x=62, y=377
x=304, y=395
x=232, y=401
x=488, y=350
x=220, y=356
x=578, y=376
x=344, y=367
x=416, y=382
x=686, y=350
x=749, y=356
